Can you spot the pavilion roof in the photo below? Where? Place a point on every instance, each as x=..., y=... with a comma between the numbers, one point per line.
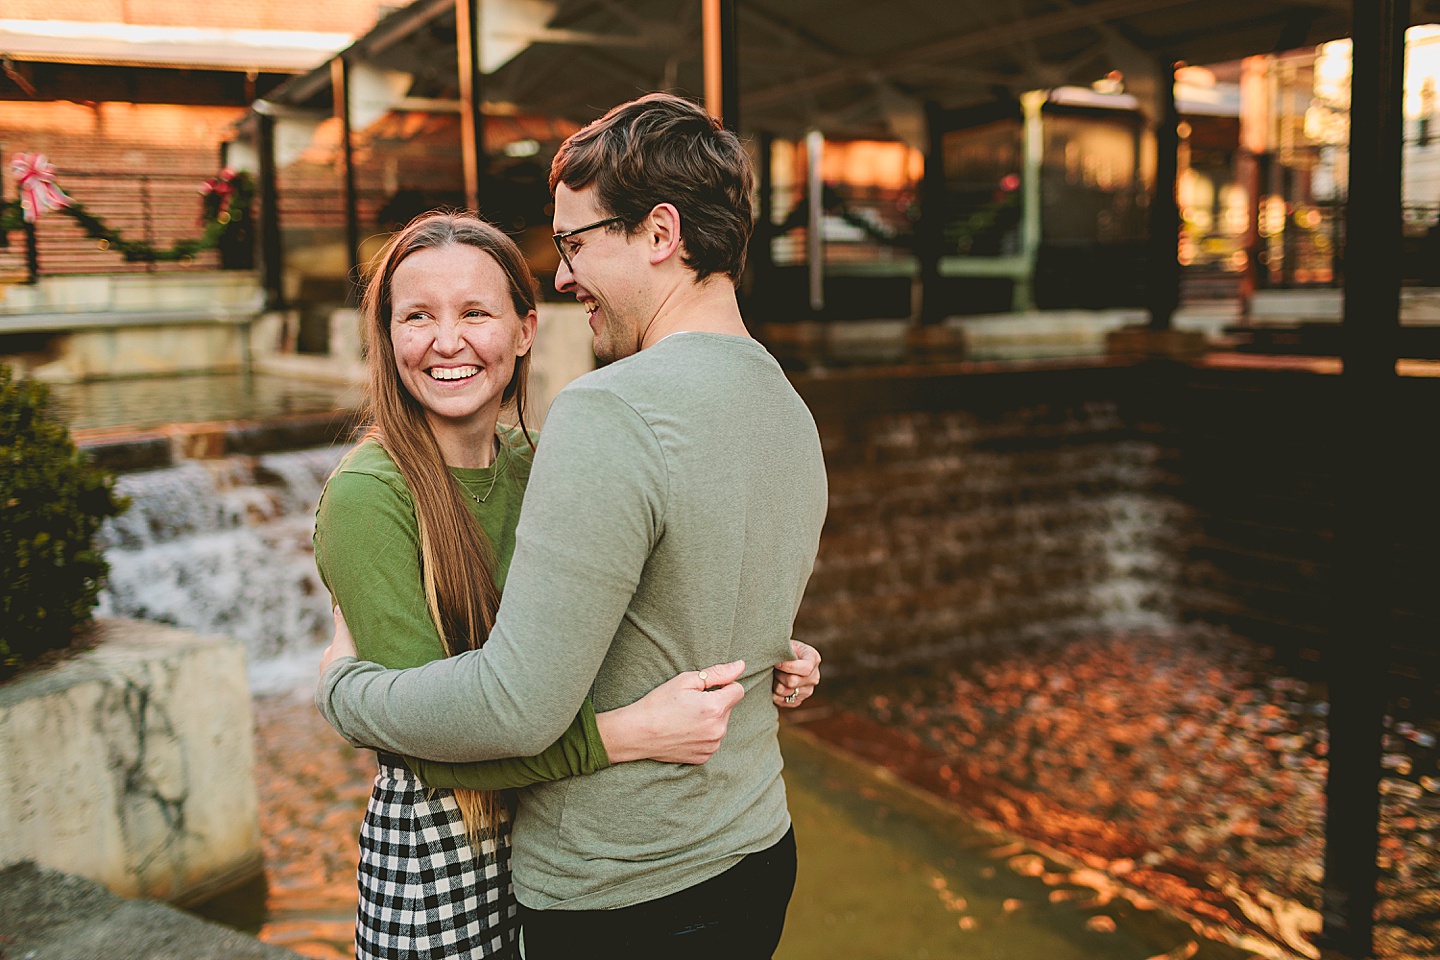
x=848, y=67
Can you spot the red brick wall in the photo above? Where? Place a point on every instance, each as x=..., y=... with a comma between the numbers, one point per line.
x=176, y=147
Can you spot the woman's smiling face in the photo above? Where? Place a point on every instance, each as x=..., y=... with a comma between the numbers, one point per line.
x=457, y=336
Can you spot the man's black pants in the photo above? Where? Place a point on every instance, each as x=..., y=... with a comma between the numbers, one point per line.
x=735, y=916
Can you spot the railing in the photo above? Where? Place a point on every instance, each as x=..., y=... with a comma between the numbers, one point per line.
x=158, y=209
x=862, y=224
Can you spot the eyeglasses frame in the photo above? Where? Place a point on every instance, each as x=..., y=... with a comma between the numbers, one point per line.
x=560, y=238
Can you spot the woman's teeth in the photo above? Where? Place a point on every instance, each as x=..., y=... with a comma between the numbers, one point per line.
x=453, y=373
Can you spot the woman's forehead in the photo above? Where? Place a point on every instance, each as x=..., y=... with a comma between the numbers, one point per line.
x=450, y=272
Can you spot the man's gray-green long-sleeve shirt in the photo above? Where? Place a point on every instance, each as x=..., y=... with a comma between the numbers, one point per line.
x=671, y=522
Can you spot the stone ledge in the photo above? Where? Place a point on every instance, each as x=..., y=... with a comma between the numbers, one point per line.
x=132, y=764
x=47, y=915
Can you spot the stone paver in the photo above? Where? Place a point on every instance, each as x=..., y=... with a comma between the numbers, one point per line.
x=45, y=915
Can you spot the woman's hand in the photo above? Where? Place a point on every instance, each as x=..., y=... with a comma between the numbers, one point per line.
x=796, y=679
x=681, y=721
x=341, y=645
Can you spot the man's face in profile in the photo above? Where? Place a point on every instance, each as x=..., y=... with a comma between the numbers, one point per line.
x=602, y=268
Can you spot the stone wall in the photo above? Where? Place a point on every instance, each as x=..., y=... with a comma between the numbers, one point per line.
x=974, y=508
x=1256, y=457
x=132, y=764
x=72, y=328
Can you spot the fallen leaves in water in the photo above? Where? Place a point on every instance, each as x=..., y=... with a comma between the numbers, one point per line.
x=1183, y=952
x=1185, y=762
x=1028, y=865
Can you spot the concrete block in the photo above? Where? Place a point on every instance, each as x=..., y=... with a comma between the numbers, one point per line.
x=145, y=350
x=562, y=353
x=132, y=764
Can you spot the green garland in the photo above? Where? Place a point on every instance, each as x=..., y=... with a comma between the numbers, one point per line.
x=217, y=225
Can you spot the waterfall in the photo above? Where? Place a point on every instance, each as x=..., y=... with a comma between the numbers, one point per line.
x=224, y=547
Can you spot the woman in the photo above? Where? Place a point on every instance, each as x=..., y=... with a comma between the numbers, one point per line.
x=414, y=535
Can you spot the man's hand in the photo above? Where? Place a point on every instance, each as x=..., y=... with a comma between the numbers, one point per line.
x=795, y=680
x=341, y=645
x=681, y=721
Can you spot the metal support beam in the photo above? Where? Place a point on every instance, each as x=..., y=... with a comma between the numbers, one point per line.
x=271, y=252
x=472, y=97
x=32, y=253
x=1365, y=518
x=761, y=256
x=722, y=73
x=815, y=224
x=1032, y=104
x=655, y=38
x=340, y=83
x=929, y=231
x=1164, y=293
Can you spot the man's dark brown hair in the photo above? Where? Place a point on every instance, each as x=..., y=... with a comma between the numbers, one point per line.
x=664, y=149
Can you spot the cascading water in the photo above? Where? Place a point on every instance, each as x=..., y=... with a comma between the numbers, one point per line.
x=224, y=547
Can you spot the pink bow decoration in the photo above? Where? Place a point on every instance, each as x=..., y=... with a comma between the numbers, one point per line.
x=221, y=187
x=36, y=178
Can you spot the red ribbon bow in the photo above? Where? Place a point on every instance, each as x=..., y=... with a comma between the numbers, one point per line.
x=38, y=192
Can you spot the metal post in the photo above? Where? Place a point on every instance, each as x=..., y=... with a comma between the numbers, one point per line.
x=340, y=81
x=4, y=236
x=472, y=98
x=32, y=253
x=1164, y=208
x=762, y=259
x=729, y=67
x=271, y=254
x=1365, y=454
x=929, y=231
x=722, y=63
x=814, y=226
x=1031, y=105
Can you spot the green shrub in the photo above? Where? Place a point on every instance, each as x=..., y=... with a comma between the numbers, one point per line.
x=52, y=502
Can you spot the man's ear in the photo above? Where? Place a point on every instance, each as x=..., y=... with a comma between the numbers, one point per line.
x=663, y=232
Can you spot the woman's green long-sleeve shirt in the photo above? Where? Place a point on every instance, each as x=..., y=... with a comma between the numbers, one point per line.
x=367, y=547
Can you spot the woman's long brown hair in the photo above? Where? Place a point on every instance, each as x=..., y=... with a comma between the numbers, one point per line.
x=456, y=558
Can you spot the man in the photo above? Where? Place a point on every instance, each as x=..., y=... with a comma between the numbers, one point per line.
x=672, y=520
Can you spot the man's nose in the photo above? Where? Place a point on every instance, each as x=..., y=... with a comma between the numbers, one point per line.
x=564, y=279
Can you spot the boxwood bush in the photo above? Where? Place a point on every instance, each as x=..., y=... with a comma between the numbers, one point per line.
x=52, y=502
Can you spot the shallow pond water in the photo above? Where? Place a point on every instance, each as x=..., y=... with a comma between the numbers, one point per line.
x=140, y=402
x=1189, y=763
x=884, y=871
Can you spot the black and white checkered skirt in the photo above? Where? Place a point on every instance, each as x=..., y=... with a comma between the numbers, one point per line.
x=425, y=893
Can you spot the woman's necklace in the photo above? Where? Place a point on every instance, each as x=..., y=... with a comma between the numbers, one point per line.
x=495, y=467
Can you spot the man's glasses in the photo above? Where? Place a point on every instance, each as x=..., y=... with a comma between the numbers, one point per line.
x=561, y=238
